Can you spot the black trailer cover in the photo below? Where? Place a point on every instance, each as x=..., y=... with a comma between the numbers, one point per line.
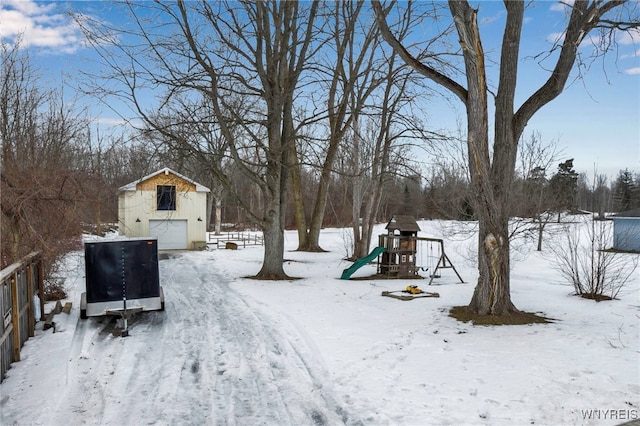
x=121, y=268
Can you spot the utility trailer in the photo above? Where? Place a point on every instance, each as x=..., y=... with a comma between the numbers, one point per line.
x=121, y=278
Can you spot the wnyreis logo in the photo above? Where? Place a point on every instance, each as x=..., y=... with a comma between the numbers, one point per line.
x=594, y=414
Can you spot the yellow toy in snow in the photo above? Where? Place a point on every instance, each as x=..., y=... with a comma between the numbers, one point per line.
x=413, y=289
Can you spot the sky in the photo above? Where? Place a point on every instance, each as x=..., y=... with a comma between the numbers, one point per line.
x=596, y=120
x=230, y=350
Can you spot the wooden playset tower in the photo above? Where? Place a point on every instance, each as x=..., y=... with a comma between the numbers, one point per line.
x=401, y=246
x=399, y=259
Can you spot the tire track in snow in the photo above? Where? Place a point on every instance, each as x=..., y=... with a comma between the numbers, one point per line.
x=208, y=359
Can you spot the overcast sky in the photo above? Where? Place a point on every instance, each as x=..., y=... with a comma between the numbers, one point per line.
x=596, y=120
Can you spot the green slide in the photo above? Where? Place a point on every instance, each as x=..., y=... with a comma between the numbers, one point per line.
x=346, y=274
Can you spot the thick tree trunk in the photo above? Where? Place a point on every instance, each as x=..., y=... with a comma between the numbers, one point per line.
x=273, y=253
x=273, y=232
x=492, y=293
x=491, y=179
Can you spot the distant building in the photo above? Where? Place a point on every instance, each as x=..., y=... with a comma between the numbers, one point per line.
x=165, y=205
x=626, y=230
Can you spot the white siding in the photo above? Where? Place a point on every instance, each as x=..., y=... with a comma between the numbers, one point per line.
x=138, y=208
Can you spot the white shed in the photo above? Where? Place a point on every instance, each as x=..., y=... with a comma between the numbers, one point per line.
x=165, y=205
x=626, y=230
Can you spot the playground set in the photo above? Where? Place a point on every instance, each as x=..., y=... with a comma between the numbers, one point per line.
x=397, y=256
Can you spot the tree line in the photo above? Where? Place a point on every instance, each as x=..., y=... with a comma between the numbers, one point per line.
x=295, y=114
x=60, y=176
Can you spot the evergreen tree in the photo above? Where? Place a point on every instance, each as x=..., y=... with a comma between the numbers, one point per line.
x=563, y=186
x=624, y=190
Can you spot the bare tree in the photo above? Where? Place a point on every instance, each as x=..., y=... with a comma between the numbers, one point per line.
x=532, y=198
x=351, y=64
x=583, y=258
x=381, y=139
x=190, y=140
x=44, y=196
x=246, y=59
x=378, y=154
x=492, y=167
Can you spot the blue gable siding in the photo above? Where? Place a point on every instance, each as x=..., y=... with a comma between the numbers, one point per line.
x=626, y=233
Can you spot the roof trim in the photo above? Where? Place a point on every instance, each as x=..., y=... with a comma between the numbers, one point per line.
x=132, y=186
x=633, y=213
x=403, y=223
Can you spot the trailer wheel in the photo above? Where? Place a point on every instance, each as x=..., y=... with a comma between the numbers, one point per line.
x=83, y=306
x=161, y=299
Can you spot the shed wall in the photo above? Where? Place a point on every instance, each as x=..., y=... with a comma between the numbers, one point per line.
x=142, y=205
x=626, y=234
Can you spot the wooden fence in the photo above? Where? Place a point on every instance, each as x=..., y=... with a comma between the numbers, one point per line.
x=19, y=283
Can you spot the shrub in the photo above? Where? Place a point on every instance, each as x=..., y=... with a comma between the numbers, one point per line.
x=583, y=259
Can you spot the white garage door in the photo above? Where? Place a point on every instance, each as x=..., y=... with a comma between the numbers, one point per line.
x=171, y=234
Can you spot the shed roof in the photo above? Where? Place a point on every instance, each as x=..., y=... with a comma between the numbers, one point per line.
x=132, y=186
x=403, y=223
x=628, y=213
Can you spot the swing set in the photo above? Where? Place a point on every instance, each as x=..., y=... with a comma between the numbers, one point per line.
x=398, y=251
x=436, y=258
x=402, y=252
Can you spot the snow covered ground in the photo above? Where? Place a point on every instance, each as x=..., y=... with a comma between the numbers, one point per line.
x=229, y=350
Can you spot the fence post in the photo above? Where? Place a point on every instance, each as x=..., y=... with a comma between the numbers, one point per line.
x=30, y=306
x=15, y=316
x=41, y=285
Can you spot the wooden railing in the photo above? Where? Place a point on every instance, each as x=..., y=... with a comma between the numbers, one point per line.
x=19, y=283
x=242, y=239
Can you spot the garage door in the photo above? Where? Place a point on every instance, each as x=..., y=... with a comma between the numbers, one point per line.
x=171, y=234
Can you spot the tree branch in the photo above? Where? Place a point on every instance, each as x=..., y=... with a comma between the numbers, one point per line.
x=584, y=18
x=411, y=61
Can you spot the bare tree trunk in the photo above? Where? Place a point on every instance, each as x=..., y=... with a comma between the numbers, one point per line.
x=313, y=237
x=540, y=234
x=273, y=232
x=492, y=293
x=248, y=84
x=217, y=227
x=351, y=85
x=214, y=206
x=370, y=211
x=298, y=201
x=356, y=193
x=491, y=180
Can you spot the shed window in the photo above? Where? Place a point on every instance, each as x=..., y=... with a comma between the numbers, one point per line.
x=166, y=196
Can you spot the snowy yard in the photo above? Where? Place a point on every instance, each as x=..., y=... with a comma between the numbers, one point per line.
x=319, y=350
